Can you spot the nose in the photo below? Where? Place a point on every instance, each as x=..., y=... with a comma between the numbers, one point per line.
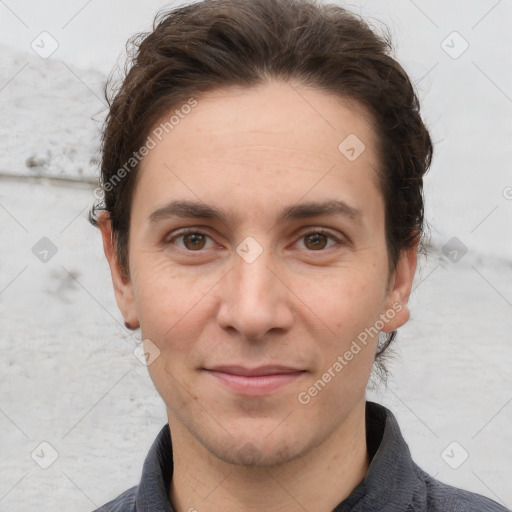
x=254, y=298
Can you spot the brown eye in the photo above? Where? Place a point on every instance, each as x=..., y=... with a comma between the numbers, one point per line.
x=320, y=240
x=194, y=241
x=190, y=240
x=316, y=241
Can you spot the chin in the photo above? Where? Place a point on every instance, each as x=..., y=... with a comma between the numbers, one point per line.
x=257, y=451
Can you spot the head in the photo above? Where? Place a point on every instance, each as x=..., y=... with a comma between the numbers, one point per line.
x=262, y=169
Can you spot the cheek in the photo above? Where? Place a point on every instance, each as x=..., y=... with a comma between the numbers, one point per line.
x=347, y=299
x=349, y=306
x=159, y=294
x=169, y=306
x=173, y=304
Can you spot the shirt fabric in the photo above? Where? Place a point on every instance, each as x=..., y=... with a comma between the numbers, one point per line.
x=393, y=482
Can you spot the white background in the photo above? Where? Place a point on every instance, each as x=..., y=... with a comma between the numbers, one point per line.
x=68, y=376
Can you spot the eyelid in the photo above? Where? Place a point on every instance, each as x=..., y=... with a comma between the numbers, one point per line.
x=186, y=231
x=319, y=229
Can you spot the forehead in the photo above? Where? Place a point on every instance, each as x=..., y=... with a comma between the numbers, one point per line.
x=254, y=147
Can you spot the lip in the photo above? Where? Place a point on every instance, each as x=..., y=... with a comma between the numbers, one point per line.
x=259, y=381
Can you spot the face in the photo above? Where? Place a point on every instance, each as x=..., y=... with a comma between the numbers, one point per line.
x=258, y=264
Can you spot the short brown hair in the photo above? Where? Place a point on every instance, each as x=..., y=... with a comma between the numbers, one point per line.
x=212, y=44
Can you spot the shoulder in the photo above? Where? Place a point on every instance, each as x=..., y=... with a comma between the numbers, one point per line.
x=125, y=502
x=442, y=497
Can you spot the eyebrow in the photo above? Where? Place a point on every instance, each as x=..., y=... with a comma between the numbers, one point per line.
x=199, y=210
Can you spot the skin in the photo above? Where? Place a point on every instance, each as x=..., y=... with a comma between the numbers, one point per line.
x=301, y=303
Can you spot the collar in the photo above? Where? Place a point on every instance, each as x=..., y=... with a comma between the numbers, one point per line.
x=391, y=482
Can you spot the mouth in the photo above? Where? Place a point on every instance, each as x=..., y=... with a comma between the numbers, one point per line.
x=259, y=381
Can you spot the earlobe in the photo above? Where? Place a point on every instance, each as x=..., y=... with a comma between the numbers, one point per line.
x=121, y=282
x=400, y=290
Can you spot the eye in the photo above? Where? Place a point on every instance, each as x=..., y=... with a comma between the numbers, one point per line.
x=318, y=240
x=193, y=241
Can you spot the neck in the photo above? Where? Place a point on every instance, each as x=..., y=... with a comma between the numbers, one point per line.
x=319, y=480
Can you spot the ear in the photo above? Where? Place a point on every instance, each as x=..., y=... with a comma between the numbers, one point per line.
x=400, y=285
x=123, y=289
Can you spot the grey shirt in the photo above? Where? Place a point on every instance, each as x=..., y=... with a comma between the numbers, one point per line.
x=393, y=483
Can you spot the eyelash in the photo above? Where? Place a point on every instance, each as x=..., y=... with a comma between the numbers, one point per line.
x=315, y=231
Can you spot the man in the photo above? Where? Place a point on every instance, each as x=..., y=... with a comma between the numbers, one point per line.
x=262, y=170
